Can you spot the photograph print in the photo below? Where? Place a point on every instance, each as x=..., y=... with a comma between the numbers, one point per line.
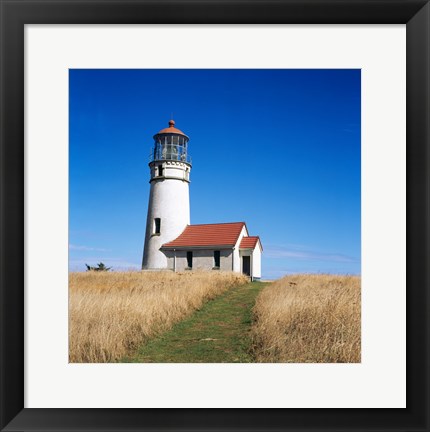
x=214, y=216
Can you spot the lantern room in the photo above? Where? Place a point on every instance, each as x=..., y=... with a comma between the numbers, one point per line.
x=170, y=144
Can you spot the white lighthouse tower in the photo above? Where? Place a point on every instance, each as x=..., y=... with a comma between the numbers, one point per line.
x=169, y=199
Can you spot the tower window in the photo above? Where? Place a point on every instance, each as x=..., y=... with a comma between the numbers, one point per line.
x=190, y=260
x=217, y=258
x=157, y=225
x=160, y=170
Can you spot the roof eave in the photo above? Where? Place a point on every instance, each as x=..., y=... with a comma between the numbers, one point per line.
x=228, y=246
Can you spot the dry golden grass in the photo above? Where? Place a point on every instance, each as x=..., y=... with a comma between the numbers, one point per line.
x=309, y=319
x=112, y=313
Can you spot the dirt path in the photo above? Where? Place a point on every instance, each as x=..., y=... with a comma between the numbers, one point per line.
x=217, y=333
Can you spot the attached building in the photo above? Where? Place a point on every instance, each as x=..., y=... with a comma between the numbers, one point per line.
x=222, y=246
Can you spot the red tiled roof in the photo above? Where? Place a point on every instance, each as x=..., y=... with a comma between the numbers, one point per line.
x=225, y=234
x=249, y=242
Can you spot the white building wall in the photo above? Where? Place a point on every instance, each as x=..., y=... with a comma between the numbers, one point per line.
x=255, y=255
x=256, y=261
x=168, y=200
x=237, y=261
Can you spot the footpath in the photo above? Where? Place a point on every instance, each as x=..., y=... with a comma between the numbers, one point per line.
x=217, y=333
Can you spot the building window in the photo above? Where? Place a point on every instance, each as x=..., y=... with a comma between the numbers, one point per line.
x=217, y=258
x=157, y=225
x=160, y=170
x=190, y=260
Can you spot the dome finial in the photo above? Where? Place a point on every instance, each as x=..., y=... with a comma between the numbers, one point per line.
x=171, y=123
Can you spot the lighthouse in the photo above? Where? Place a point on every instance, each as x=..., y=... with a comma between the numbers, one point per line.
x=171, y=243
x=169, y=199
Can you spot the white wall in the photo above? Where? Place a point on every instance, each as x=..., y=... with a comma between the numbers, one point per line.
x=168, y=200
x=255, y=255
x=237, y=261
x=256, y=261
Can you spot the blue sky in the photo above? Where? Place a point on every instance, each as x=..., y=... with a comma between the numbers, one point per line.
x=278, y=149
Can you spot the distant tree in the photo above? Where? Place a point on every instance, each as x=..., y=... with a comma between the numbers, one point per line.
x=100, y=267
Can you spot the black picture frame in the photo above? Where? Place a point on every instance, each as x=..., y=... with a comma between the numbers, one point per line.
x=15, y=14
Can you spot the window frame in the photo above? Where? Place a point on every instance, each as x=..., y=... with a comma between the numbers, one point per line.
x=217, y=252
x=157, y=226
x=189, y=260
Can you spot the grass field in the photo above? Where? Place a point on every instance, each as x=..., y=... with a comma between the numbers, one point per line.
x=213, y=317
x=308, y=319
x=112, y=313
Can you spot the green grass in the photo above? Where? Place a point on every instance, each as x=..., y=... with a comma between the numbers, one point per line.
x=217, y=333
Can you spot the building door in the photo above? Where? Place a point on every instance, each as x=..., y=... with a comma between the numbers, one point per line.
x=246, y=265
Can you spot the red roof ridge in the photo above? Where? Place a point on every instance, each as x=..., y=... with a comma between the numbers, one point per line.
x=217, y=223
